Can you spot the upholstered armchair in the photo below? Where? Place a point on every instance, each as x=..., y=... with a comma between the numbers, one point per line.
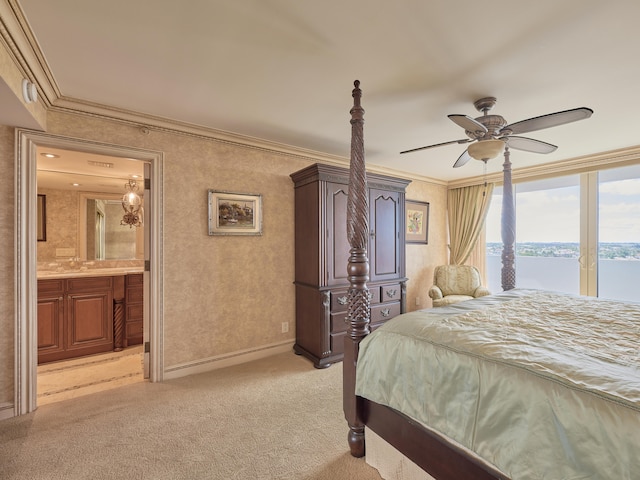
x=456, y=283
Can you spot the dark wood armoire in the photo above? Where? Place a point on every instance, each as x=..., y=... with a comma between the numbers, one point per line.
x=322, y=253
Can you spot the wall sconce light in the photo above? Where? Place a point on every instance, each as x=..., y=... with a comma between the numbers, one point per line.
x=132, y=205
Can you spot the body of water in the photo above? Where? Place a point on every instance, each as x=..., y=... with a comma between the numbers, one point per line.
x=618, y=279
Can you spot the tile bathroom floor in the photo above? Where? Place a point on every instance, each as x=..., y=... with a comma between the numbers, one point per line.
x=95, y=373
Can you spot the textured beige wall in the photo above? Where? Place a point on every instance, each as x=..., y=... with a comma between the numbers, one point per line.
x=7, y=265
x=221, y=294
x=422, y=259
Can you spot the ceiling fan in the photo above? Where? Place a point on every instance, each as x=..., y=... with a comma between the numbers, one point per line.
x=488, y=134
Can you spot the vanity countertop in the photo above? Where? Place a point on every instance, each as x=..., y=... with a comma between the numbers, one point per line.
x=95, y=272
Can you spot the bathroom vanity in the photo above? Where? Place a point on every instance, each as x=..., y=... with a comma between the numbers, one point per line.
x=83, y=313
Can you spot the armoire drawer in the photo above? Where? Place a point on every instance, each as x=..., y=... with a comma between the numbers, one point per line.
x=390, y=293
x=384, y=312
x=379, y=313
x=338, y=322
x=337, y=339
x=340, y=298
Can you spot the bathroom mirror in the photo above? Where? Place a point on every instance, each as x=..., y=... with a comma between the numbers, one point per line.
x=84, y=206
x=100, y=233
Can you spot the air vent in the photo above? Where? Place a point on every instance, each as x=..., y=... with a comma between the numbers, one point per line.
x=100, y=164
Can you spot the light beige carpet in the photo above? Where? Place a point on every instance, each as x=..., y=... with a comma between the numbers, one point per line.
x=277, y=418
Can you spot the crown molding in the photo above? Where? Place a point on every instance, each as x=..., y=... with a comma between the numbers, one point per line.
x=12, y=35
x=150, y=123
x=409, y=176
x=20, y=41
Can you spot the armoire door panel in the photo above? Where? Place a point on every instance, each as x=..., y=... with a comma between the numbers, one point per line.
x=338, y=254
x=384, y=240
x=308, y=269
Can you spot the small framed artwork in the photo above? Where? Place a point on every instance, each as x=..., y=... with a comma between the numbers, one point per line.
x=234, y=213
x=42, y=218
x=417, y=218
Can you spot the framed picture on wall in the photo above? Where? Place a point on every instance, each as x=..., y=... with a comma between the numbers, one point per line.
x=234, y=213
x=417, y=220
x=42, y=218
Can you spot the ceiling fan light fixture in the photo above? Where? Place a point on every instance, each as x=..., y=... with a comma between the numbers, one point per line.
x=486, y=149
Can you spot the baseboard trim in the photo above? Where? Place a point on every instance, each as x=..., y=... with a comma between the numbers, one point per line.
x=7, y=410
x=226, y=360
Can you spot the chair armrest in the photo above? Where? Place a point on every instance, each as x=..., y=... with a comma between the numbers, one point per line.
x=435, y=293
x=481, y=292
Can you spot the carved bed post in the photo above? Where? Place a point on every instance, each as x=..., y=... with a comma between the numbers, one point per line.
x=508, y=225
x=358, y=314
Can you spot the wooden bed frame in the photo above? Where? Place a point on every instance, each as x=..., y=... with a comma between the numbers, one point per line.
x=437, y=456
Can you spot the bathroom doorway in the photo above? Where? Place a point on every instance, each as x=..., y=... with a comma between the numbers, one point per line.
x=30, y=147
x=83, y=234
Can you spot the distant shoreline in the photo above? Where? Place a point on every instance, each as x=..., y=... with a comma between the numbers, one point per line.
x=607, y=250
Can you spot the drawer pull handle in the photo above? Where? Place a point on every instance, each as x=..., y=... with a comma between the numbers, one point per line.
x=386, y=312
x=391, y=293
x=343, y=300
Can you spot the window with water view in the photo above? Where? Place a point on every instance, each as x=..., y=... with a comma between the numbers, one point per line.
x=576, y=234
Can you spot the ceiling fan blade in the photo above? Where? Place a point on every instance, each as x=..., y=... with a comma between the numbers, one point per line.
x=549, y=120
x=462, y=159
x=468, y=123
x=464, y=140
x=530, y=145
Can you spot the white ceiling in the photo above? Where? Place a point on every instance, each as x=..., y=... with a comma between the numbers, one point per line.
x=283, y=70
x=86, y=172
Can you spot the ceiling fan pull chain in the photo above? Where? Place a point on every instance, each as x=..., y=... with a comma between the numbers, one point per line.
x=484, y=174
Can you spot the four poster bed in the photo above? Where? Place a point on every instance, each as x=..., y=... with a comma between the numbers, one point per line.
x=525, y=384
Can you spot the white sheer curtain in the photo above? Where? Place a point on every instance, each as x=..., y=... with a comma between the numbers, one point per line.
x=467, y=208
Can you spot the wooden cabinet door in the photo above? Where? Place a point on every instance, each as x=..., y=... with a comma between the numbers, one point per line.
x=75, y=317
x=50, y=328
x=89, y=323
x=337, y=248
x=384, y=241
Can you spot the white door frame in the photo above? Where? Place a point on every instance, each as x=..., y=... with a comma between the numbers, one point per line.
x=26, y=326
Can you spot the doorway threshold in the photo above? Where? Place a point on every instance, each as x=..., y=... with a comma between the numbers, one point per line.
x=95, y=373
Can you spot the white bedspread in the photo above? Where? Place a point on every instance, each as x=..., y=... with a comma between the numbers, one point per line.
x=542, y=385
